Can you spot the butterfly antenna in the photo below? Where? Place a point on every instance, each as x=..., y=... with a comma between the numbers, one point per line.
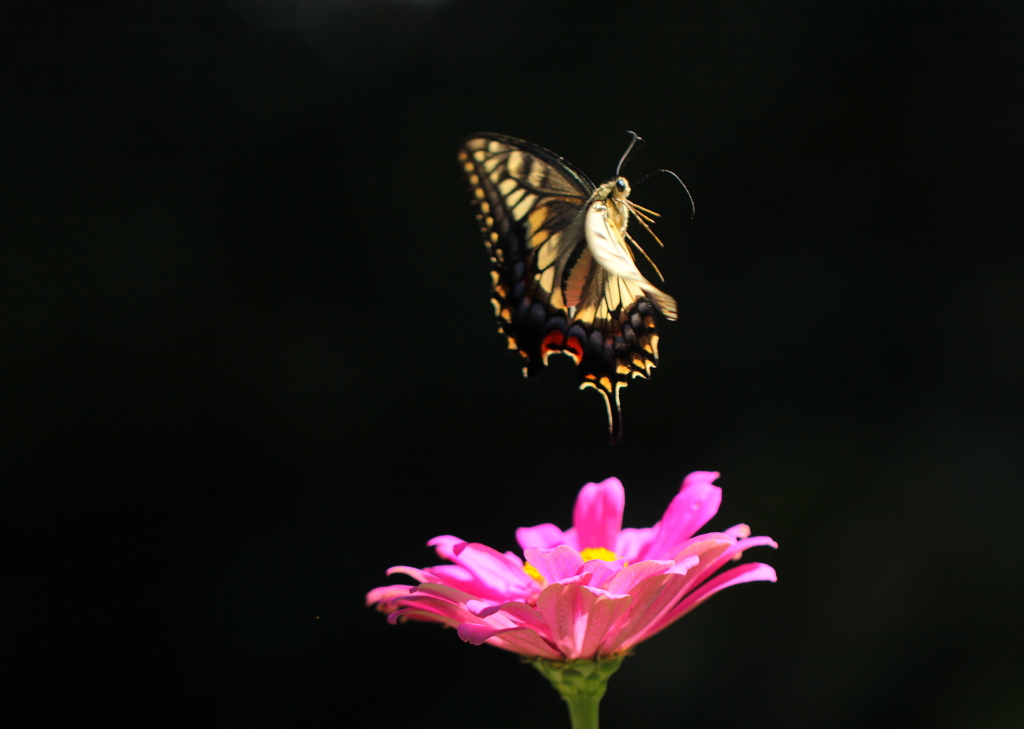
x=670, y=172
x=629, y=150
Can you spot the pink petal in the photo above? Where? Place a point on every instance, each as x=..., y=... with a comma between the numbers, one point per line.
x=519, y=640
x=651, y=598
x=421, y=615
x=597, y=516
x=599, y=592
x=745, y=544
x=712, y=551
x=385, y=595
x=476, y=634
x=632, y=542
x=445, y=546
x=522, y=641
x=491, y=614
x=432, y=610
x=481, y=608
x=542, y=536
x=697, y=501
x=583, y=578
x=706, y=546
x=444, y=592
x=629, y=577
x=751, y=572
x=479, y=569
x=603, y=614
x=711, y=561
x=555, y=564
x=497, y=577
x=684, y=566
x=601, y=570
x=654, y=596
x=526, y=616
x=579, y=618
x=417, y=574
x=515, y=559
x=740, y=531
x=559, y=605
x=439, y=606
x=452, y=574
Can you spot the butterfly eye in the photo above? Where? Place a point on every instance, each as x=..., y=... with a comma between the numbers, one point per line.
x=621, y=184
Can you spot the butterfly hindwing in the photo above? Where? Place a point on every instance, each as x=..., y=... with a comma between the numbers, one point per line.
x=549, y=294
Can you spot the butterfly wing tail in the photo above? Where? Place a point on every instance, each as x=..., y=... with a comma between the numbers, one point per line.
x=614, y=414
x=610, y=393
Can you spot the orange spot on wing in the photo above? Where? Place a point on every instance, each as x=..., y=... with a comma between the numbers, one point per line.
x=552, y=342
x=574, y=348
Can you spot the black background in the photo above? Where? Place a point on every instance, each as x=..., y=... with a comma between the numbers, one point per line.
x=249, y=362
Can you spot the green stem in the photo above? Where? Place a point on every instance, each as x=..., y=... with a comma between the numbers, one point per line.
x=583, y=710
x=581, y=684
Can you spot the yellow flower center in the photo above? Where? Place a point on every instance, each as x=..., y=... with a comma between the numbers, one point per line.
x=598, y=553
x=532, y=572
x=587, y=554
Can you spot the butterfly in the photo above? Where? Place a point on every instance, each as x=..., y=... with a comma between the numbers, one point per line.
x=564, y=277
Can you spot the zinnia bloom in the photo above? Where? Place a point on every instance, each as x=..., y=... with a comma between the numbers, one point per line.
x=592, y=592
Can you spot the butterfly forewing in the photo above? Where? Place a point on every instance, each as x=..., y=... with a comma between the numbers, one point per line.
x=549, y=294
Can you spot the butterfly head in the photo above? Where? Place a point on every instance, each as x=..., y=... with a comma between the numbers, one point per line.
x=621, y=189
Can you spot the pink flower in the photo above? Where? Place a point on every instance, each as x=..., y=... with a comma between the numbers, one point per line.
x=591, y=592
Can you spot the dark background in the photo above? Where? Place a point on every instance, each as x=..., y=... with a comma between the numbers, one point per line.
x=249, y=362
